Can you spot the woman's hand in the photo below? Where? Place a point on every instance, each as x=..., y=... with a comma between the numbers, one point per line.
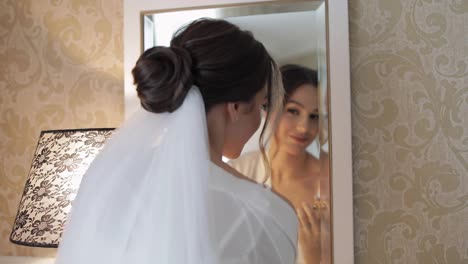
x=309, y=233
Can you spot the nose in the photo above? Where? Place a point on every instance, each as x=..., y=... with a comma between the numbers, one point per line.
x=302, y=125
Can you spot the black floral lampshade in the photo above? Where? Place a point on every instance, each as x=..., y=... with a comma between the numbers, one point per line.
x=60, y=160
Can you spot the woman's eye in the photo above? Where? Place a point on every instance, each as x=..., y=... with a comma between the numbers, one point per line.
x=292, y=111
x=314, y=116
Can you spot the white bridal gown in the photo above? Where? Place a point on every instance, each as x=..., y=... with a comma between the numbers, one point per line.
x=259, y=226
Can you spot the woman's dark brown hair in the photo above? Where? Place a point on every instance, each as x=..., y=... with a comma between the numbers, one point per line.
x=294, y=76
x=226, y=63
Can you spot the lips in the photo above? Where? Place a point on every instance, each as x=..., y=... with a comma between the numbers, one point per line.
x=299, y=139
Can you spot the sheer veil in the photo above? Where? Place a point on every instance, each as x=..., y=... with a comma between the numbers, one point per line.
x=145, y=197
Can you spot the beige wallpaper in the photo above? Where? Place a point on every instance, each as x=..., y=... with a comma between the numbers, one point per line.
x=410, y=130
x=61, y=67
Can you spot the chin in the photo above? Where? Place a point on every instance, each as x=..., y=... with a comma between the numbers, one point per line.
x=232, y=154
x=295, y=150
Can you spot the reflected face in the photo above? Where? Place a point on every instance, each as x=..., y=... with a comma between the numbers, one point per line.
x=298, y=125
x=248, y=122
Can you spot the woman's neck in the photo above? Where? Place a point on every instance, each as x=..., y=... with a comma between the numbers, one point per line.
x=286, y=166
x=216, y=131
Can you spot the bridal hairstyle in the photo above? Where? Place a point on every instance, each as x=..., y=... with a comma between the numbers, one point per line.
x=226, y=63
x=294, y=76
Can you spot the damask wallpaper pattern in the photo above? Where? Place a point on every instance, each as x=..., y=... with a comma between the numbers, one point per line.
x=61, y=67
x=410, y=130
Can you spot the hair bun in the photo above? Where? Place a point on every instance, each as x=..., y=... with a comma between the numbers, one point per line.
x=163, y=77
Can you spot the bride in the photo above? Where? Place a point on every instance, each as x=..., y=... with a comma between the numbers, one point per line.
x=159, y=191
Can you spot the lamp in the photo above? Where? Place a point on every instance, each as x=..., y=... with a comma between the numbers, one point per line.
x=60, y=160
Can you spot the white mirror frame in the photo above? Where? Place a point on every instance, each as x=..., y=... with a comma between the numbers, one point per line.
x=339, y=99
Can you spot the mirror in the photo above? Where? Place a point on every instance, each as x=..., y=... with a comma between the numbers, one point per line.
x=294, y=34
x=309, y=33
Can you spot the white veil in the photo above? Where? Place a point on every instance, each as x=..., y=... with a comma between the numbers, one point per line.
x=145, y=197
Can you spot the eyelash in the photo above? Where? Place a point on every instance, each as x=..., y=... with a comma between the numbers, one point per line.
x=294, y=111
x=314, y=116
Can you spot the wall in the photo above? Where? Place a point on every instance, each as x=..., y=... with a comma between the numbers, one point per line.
x=410, y=130
x=61, y=67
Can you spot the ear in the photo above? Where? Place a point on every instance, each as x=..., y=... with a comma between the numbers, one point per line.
x=233, y=111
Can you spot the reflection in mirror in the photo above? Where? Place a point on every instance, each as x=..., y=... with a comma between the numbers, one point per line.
x=293, y=168
x=297, y=162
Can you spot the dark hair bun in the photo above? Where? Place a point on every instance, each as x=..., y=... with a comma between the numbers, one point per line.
x=163, y=77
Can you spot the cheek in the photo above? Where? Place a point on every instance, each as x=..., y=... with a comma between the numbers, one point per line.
x=257, y=120
x=241, y=134
x=252, y=124
x=313, y=128
x=284, y=127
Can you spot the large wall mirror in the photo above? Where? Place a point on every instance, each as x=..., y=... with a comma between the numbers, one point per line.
x=305, y=36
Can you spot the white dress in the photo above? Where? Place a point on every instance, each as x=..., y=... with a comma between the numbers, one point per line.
x=259, y=226
x=251, y=165
x=250, y=225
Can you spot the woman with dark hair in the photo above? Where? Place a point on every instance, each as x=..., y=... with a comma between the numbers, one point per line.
x=159, y=191
x=292, y=171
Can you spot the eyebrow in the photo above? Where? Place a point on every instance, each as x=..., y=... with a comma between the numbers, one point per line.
x=300, y=104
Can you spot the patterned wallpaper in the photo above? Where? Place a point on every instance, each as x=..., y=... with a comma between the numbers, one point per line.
x=61, y=67
x=410, y=130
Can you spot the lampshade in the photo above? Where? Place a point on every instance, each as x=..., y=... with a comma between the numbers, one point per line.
x=60, y=160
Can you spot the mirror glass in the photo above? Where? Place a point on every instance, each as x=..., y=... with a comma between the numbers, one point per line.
x=294, y=33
